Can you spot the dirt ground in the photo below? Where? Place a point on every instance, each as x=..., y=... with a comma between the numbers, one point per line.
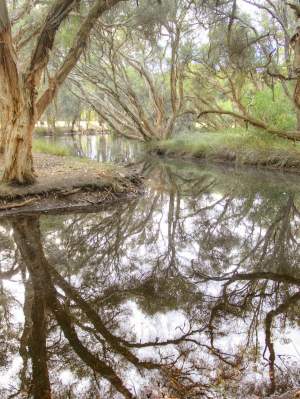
x=295, y=394
x=67, y=182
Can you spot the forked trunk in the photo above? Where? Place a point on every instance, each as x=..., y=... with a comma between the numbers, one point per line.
x=18, y=150
x=19, y=88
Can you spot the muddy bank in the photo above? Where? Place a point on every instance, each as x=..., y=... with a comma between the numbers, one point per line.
x=237, y=148
x=44, y=131
x=228, y=159
x=69, y=183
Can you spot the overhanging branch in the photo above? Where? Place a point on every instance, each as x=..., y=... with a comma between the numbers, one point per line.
x=74, y=53
x=295, y=136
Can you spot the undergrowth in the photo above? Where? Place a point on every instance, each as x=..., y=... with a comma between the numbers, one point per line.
x=242, y=147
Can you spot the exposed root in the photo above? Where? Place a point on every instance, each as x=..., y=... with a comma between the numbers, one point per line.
x=18, y=204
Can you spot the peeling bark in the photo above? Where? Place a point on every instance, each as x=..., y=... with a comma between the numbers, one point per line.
x=16, y=121
x=18, y=152
x=20, y=108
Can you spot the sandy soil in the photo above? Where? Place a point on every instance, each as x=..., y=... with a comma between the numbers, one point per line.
x=67, y=182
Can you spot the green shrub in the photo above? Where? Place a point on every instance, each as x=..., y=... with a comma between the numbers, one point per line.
x=278, y=113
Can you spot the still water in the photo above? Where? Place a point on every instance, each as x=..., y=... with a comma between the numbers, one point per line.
x=102, y=148
x=189, y=291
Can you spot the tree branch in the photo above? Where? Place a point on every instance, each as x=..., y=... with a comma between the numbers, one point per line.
x=75, y=52
x=295, y=136
x=40, y=56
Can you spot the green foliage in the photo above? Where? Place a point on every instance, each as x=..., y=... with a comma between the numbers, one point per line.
x=277, y=111
x=66, y=107
x=50, y=148
x=151, y=15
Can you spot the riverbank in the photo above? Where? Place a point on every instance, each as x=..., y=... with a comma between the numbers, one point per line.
x=45, y=131
x=224, y=177
x=68, y=183
x=240, y=148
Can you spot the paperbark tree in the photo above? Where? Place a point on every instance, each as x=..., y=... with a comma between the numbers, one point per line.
x=136, y=84
x=21, y=104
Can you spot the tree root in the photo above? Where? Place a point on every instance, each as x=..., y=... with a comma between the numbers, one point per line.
x=18, y=204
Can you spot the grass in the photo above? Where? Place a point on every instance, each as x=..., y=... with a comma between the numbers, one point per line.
x=50, y=148
x=240, y=147
x=43, y=147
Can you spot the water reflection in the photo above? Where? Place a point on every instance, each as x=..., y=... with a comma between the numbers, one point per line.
x=190, y=291
x=101, y=148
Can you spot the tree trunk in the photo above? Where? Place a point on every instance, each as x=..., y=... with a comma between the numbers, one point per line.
x=18, y=152
x=297, y=101
x=298, y=119
x=19, y=89
x=30, y=249
x=16, y=114
x=74, y=121
x=2, y=141
x=295, y=42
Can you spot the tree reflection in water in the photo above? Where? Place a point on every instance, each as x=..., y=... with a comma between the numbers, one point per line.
x=192, y=290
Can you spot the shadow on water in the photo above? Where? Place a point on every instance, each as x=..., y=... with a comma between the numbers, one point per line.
x=190, y=291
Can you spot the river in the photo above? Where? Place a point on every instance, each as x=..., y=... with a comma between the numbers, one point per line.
x=191, y=290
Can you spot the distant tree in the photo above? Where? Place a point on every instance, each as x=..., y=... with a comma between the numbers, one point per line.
x=135, y=75
x=67, y=108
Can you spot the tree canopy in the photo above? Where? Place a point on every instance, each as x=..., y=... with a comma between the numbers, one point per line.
x=148, y=69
